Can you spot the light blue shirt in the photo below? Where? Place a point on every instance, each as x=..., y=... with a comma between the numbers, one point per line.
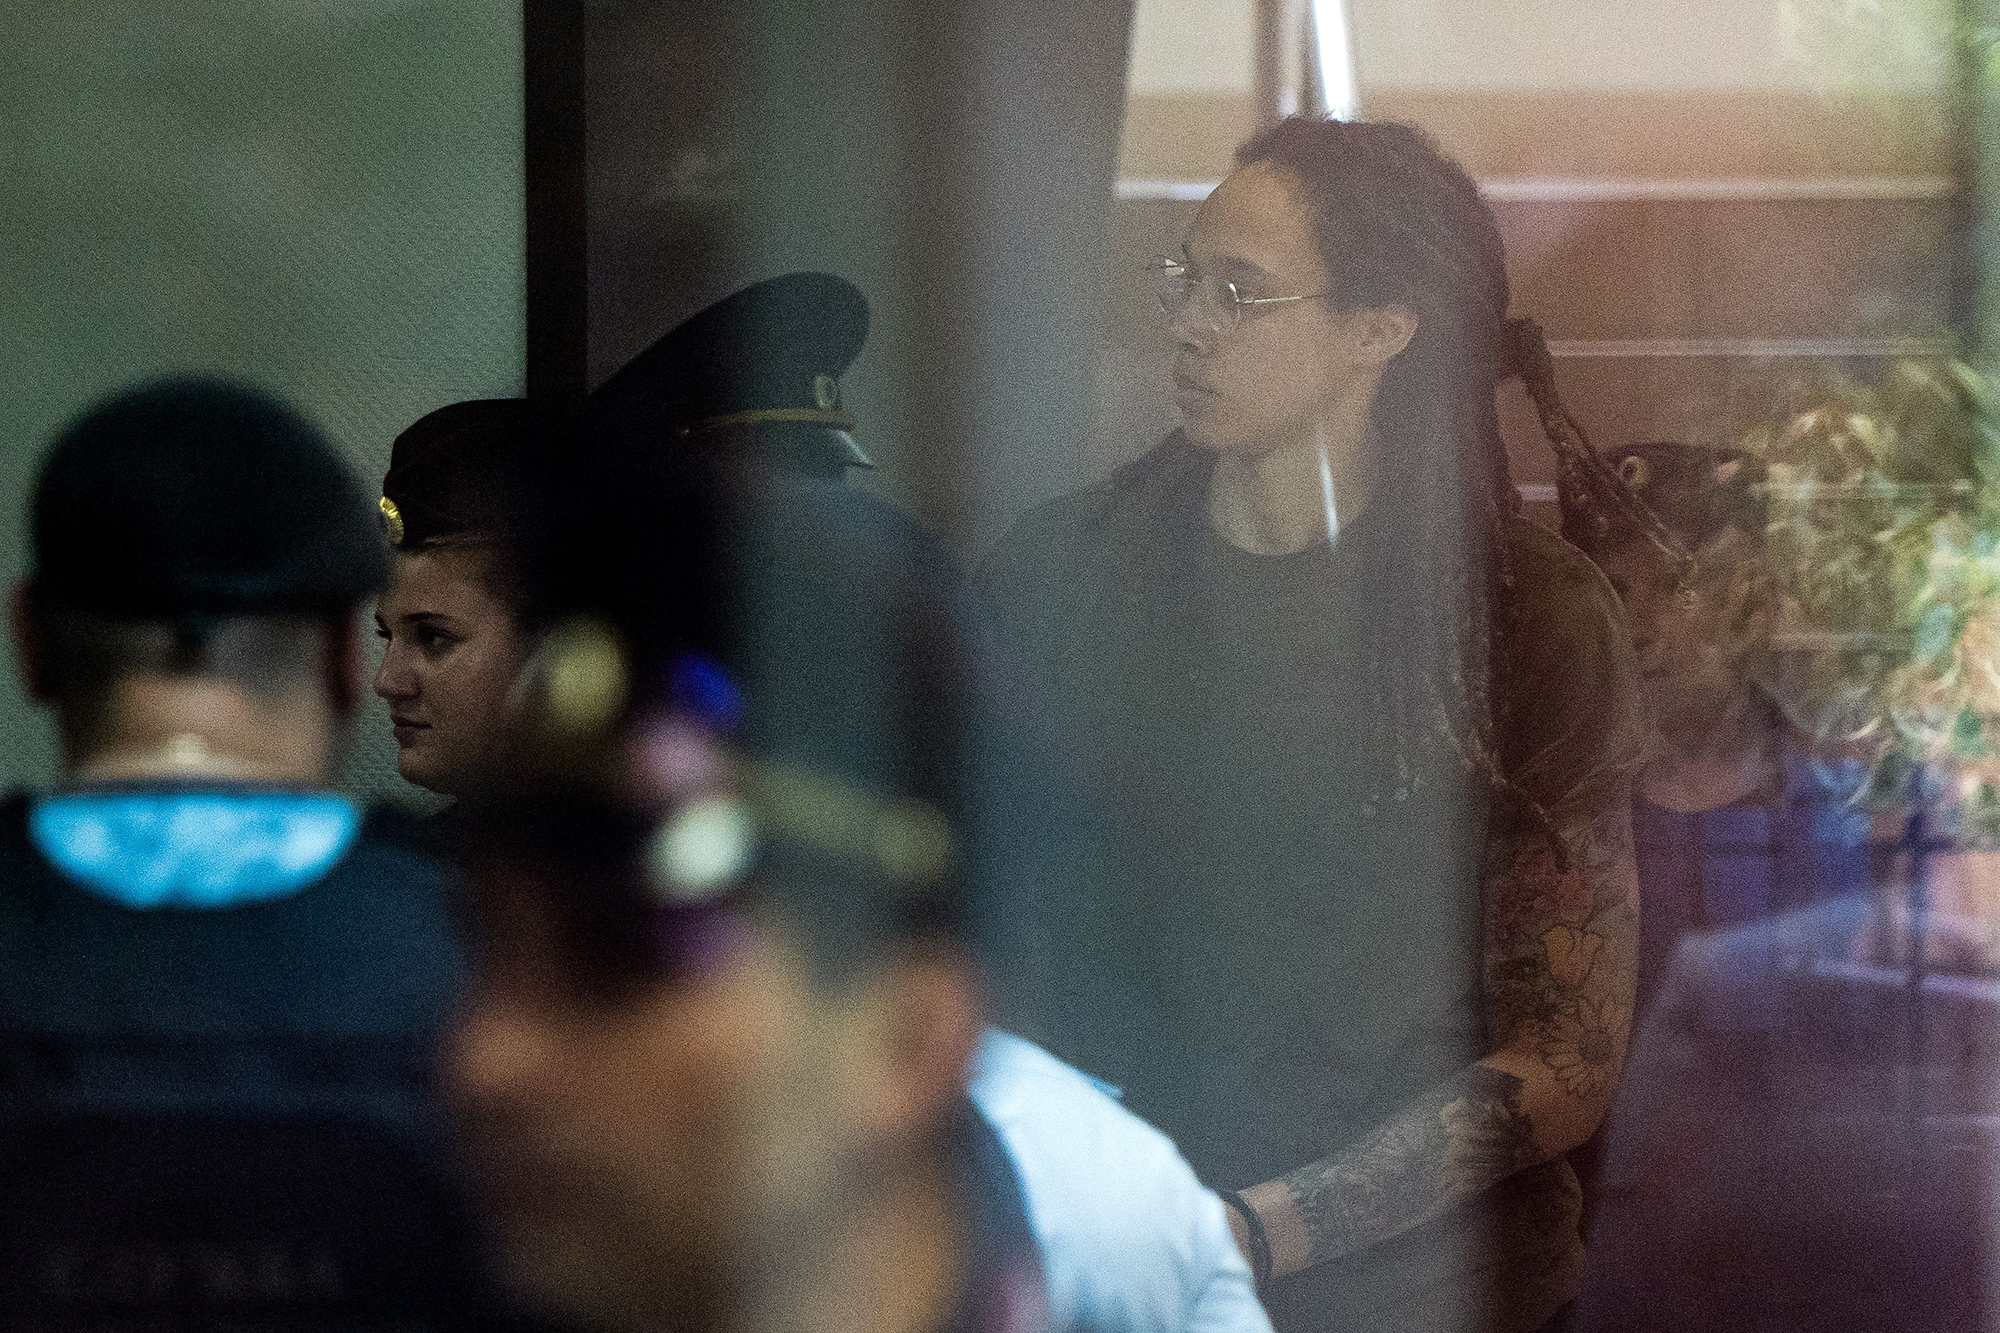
x=1130, y=1241
x=201, y=849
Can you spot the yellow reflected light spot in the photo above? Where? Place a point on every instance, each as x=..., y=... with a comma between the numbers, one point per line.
x=824, y=814
x=584, y=677
x=392, y=520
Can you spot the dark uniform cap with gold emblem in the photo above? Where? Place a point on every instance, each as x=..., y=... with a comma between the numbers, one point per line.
x=1696, y=492
x=759, y=369
x=201, y=496
x=468, y=469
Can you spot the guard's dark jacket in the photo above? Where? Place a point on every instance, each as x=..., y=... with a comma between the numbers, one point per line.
x=222, y=1116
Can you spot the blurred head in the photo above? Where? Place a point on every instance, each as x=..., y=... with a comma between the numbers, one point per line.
x=194, y=531
x=458, y=618
x=1701, y=630
x=723, y=988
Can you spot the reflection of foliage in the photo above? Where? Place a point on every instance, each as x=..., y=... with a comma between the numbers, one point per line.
x=1863, y=43
x=1885, y=545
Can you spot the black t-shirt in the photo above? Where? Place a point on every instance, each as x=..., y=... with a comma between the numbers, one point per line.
x=1268, y=953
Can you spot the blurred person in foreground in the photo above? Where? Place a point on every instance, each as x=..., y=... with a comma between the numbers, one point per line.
x=1345, y=901
x=712, y=1069
x=221, y=979
x=1801, y=1140
x=749, y=387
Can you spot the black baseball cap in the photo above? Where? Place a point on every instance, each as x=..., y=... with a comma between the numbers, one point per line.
x=201, y=495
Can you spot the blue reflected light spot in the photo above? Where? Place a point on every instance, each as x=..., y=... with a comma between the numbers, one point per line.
x=702, y=688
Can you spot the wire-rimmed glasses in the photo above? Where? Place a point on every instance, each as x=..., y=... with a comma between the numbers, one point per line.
x=1203, y=303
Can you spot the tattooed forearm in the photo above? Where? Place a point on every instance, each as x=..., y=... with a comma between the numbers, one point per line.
x=1561, y=947
x=1443, y=1148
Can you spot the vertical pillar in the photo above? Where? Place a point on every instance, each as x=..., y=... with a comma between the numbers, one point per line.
x=557, y=232
x=1282, y=27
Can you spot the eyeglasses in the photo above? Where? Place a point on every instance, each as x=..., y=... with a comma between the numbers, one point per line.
x=1203, y=303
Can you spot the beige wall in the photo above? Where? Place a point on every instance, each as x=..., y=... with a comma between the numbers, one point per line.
x=1644, y=89
x=1624, y=88
x=1192, y=64
x=1192, y=46
x=1650, y=45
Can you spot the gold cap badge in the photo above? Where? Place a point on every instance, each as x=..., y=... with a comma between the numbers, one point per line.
x=392, y=521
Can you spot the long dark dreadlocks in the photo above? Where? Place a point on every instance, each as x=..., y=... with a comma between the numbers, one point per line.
x=1400, y=222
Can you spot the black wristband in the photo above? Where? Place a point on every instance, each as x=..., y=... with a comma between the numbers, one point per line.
x=1260, y=1244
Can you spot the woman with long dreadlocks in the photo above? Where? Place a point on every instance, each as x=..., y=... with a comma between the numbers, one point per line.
x=1345, y=899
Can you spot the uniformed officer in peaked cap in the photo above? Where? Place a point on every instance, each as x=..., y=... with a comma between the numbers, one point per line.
x=219, y=978
x=460, y=507
x=757, y=372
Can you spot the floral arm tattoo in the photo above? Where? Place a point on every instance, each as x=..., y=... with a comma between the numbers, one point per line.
x=1561, y=957
x=1562, y=952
